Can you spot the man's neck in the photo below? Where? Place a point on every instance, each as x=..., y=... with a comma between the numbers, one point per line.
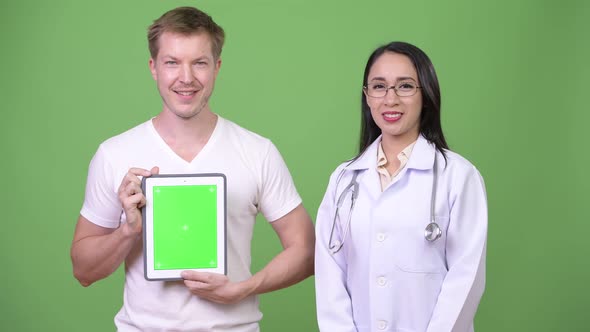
x=186, y=137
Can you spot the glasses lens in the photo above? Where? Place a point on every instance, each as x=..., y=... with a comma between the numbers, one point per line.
x=376, y=89
x=406, y=88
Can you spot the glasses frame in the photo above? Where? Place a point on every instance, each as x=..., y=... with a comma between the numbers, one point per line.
x=393, y=87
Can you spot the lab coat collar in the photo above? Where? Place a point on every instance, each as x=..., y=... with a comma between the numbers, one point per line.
x=368, y=159
x=422, y=156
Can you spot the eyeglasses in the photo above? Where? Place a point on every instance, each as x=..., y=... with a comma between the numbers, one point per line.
x=405, y=88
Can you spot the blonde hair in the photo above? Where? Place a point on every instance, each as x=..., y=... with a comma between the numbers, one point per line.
x=187, y=21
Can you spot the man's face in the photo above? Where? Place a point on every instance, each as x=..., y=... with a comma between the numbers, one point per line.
x=185, y=72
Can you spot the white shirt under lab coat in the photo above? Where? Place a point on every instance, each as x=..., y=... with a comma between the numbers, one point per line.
x=387, y=276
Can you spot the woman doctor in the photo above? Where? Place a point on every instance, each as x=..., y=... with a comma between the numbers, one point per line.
x=401, y=231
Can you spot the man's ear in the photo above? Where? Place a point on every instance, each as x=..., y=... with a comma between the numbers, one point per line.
x=217, y=65
x=152, y=64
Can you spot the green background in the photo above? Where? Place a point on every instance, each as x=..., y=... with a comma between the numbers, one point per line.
x=514, y=86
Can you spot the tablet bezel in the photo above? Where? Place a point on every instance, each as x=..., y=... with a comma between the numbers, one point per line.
x=147, y=184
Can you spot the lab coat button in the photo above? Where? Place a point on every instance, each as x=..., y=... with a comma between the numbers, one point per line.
x=382, y=325
x=381, y=281
x=380, y=237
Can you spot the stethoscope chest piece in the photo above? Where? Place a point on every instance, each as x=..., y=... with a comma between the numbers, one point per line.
x=432, y=232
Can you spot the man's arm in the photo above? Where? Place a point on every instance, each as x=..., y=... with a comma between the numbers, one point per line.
x=295, y=262
x=292, y=265
x=98, y=251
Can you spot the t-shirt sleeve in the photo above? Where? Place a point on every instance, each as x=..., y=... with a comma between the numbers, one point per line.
x=278, y=193
x=101, y=203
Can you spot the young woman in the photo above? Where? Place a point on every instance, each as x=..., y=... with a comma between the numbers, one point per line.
x=401, y=231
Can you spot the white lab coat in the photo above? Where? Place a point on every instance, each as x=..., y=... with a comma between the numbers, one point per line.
x=387, y=276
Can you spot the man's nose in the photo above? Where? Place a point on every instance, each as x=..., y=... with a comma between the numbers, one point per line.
x=186, y=74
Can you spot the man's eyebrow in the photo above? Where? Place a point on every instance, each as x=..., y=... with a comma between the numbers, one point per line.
x=203, y=57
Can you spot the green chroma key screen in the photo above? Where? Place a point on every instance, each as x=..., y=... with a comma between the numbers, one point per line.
x=185, y=227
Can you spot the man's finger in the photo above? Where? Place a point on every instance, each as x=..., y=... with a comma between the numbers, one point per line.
x=195, y=276
x=139, y=171
x=132, y=189
x=132, y=176
x=142, y=202
x=197, y=285
x=133, y=200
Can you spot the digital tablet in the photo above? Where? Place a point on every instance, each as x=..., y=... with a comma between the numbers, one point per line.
x=184, y=224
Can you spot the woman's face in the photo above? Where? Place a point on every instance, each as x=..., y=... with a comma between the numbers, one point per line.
x=397, y=117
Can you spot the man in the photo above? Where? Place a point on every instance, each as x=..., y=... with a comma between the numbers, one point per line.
x=187, y=137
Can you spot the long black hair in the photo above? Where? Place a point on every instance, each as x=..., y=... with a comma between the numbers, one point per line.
x=430, y=126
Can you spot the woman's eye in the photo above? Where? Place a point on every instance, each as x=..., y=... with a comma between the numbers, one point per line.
x=378, y=86
x=405, y=86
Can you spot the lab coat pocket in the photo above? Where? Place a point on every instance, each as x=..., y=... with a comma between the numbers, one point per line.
x=420, y=269
x=415, y=254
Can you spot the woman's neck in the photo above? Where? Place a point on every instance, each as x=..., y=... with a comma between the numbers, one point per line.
x=393, y=145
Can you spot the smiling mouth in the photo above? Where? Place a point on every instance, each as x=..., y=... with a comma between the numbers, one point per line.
x=185, y=93
x=392, y=116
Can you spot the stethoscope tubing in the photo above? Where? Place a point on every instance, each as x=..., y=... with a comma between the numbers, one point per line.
x=354, y=186
x=432, y=232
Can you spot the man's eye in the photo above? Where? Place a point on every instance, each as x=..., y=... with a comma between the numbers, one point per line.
x=170, y=62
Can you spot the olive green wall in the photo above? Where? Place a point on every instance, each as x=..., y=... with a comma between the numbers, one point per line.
x=513, y=77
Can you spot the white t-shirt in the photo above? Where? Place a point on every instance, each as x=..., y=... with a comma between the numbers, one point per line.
x=257, y=180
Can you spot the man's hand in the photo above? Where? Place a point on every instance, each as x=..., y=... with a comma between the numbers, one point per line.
x=292, y=265
x=214, y=287
x=132, y=197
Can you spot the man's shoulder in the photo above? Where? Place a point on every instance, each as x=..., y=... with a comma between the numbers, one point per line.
x=242, y=136
x=129, y=137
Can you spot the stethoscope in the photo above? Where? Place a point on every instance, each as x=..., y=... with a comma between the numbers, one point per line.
x=431, y=233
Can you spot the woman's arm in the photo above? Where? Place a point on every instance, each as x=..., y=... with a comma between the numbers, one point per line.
x=334, y=307
x=466, y=255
